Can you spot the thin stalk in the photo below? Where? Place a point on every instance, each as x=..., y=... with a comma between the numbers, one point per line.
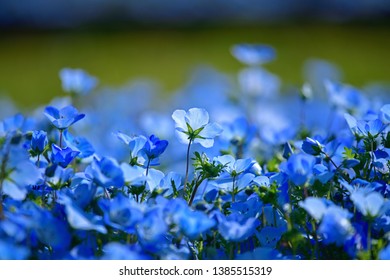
x=187, y=166
x=61, y=131
x=199, y=181
x=147, y=167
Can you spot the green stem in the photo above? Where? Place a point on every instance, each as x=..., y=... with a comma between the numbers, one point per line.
x=199, y=181
x=187, y=167
x=147, y=167
x=234, y=189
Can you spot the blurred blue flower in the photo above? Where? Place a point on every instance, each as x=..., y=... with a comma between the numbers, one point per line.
x=62, y=156
x=370, y=203
x=255, y=81
x=63, y=118
x=194, y=126
x=385, y=253
x=253, y=54
x=19, y=178
x=237, y=228
x=120, y=213
x=118, y=251
x=370, y=129
x=10, y=251
x=77, y=218
x=77, y=81
x=335, y=226
x=384, y=114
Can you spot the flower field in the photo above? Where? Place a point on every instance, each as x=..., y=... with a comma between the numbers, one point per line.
x=226, y=168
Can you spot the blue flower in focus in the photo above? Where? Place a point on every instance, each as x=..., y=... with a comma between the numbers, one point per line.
x=299, y=168
x=253, y=54
x=154, y=147
x=62, y=156
x=194, y=126
x=77, y=81
x=312, y=147
x=38, y=141
x=105, y=172
x=79, y=144
x=63, y=118
x=370, y=129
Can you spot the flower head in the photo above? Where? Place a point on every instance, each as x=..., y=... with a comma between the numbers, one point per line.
x=63, y=118
x=77, y=81
x=194, y=126
x=253, y=54
x=62, y=156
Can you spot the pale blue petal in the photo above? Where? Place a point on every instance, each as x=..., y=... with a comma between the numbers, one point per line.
x=197, y=118
x=316, y=207
x=179, y=117
x=211, y=130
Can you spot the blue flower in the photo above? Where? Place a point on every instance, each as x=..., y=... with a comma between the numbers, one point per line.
x=63, y=118
x=154, y=147
x=312, y=147
x=194, y=126
x=256, y=81
x=344, y=96
x=237, y=228
x=385, y=253
x=385, y=114
x=38, y=141
x=19, y=178
x=299, y=168
x=120, y=213
x=9, y=251
x=62, y=156
x=79, y=144
x=77, y=81
x=370, y=129
x=315, y=206
x=335, y=226
x=253, y=54
x=105, y=172
x=370, y=203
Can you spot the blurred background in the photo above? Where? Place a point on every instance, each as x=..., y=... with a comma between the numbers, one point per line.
x=119, y=41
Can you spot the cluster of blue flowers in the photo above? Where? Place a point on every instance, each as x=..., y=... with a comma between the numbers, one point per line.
x=240, y=173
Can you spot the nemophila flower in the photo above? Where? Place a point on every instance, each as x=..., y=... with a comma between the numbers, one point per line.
x=370, y=129
x=344, y=96
x=262, y=181
x=77, y=81
x=322, y=173
x=152, y=230
x=251, y=208
x=370, y=204
x=120, y=213
x=384, y=114
x=253, y=54
x=64, y=117
x=270, y=236
x=105, y=172
x=335, y=226
x=10, y=251
x=38, y=141
x=77, y=218
x=256, y=81
x=17, y=180
x=62, y=156
x=237, y=228
x=312, y=147
x=78, y=143
x=118, y=251
x=385, y=253
x=153, y=148
x=315, y=206
x=299, y=168
x=193, y=126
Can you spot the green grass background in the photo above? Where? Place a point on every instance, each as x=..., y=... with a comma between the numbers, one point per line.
x=30, y=61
